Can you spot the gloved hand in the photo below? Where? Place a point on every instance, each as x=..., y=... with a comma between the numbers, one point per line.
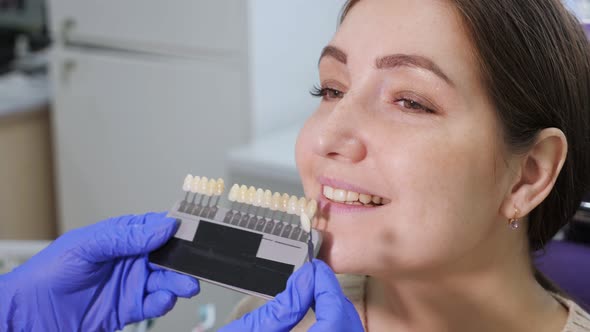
x=95, y=278
x=313, y=284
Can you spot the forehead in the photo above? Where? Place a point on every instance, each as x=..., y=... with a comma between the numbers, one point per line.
x=430, y=28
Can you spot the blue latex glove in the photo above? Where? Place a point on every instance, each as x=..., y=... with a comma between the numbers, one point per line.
x=313, y=284
x=95, y=278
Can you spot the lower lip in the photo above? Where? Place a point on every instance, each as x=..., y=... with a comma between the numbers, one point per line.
x=335, y=207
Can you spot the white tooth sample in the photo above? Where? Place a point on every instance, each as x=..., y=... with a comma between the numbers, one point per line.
x=284, y=203
x=328, y=192
x=211, y=186
x=339, y=195
x=376, y=199
x=311, y=208
x=243, y=194
x=195, y=184
x=203, y=185
x=276, y=202
x=219, y=187
x=301, y=204
x=267, y=201
x=186, y=185
x=352, y=196
x=259, y=198
x=292, y=205
x=233, y=193
x=364, y=198
x=251, y=195
x=305, y=223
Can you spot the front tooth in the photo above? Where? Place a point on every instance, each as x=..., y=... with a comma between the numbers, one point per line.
x=243, y=194
x=267, y=201
x=301, y=204
x=251, y=195
x=233, y=193
x=328, y=192
x=339, y=195
x=376, y=200
x=259, y=198
x=219, y=187
x=276, y=202
x=364, y=198
x=311, y=208
x=352, y=196
x=292, y=205
x=284, y=203
x=203, y=185
x=186, y=185
x=195, y=184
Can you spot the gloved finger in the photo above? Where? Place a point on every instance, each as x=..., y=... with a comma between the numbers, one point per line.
x=285, y=310
x=334, y=312
x=109, y=242
x=158, y=303
x=140, y=219
x=176, y=283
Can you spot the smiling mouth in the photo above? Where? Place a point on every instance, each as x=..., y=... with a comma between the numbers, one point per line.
x=349, y=197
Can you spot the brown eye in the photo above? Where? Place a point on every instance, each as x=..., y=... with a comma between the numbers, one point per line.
x=327, y=93
x=413, y=105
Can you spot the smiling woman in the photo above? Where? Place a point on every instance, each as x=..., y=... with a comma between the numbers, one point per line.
x=448, y=145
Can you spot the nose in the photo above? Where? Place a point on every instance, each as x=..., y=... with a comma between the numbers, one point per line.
x=339, y=138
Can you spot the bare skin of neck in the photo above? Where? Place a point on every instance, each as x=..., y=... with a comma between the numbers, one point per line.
x=503, y=296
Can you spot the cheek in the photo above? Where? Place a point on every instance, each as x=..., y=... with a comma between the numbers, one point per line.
x=304, y=148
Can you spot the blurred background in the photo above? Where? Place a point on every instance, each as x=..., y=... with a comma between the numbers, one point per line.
x=106, y=105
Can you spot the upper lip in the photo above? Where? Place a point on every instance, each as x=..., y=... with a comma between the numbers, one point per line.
x=339, y=184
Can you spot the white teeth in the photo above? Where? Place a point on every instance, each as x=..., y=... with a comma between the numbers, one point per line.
x=211, y=186
x=243, y=194
x=203, y=185
x=234, y=193
x=364, y=198
x=284, y=206
x=305, y=223
x=196, y=184
x=311, y=208
x=186, y=185
x=276, y=202
x=219, y=187
x=328, y=192
x=259, y=198
x=251, y=195
x=301, y=204
x=350, y=197
x=339, y=195
x=267, y=201
x=292, y=205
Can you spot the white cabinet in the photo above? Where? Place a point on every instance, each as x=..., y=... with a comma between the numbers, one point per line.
x=194, y=27
x=128, y=129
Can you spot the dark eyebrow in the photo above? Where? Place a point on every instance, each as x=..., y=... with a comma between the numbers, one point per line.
x=333, y=52
x=401, y=60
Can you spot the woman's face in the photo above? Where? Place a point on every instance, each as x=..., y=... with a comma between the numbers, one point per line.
x=404, y=117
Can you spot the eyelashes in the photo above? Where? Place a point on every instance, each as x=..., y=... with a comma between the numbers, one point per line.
x=410, y=104
x=326, y=93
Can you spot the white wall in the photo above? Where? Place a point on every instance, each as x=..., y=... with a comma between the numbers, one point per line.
x=285, y=41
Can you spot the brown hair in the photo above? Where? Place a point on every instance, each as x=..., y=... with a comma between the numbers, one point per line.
x=534, y=60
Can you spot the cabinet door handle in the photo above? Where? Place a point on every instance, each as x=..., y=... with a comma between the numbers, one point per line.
x=67, y=26
x=67, y=68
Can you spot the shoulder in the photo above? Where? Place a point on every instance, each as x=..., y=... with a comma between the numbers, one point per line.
x=578, y=319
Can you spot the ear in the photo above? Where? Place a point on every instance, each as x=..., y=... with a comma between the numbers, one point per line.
x=538, y=170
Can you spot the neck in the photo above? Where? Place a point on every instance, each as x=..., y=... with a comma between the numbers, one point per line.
x=498, y=295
